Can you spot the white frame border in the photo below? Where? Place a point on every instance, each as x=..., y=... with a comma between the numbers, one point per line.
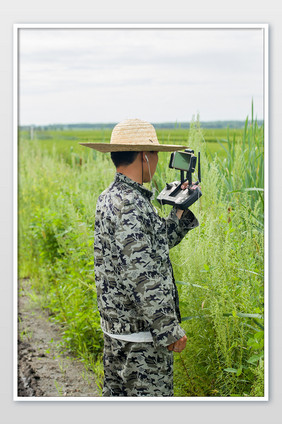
x=16, y=28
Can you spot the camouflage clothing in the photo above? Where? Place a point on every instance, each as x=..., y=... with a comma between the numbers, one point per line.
x=136, y=369
x=134, y=278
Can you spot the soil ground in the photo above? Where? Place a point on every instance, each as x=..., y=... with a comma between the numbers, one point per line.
x=44, y=370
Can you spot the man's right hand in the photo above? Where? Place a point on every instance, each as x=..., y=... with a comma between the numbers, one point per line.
x=179, y=345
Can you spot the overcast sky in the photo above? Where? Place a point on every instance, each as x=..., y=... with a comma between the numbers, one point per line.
x=108, y=75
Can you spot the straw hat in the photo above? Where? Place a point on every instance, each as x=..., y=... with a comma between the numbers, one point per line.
x=133, y=135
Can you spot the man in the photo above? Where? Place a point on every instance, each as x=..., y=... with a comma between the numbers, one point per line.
x=136, y=293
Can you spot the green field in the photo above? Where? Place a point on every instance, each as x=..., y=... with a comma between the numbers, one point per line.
x=219, y=267
x=66, y=142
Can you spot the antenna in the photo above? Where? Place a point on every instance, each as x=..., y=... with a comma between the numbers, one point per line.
x=199, y=167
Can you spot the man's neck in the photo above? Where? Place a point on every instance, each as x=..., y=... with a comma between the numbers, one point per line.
x=132, y=171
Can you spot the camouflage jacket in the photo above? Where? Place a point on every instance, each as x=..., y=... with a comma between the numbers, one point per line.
x=133, y=273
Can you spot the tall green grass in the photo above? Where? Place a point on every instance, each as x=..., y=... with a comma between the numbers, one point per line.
x=218, y=266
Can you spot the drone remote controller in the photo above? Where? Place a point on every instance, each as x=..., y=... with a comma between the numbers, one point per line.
x=173, y=194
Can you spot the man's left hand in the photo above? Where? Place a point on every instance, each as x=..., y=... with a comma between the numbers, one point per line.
x=184, y=186
x=193, y=187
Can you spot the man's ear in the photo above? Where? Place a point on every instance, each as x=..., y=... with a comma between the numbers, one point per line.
x=145, y=157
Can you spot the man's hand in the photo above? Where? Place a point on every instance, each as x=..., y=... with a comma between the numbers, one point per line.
x=183, y=187
x=179, y=345
x=193, y=187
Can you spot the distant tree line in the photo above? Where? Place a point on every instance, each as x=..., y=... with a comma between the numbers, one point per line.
x=164, y=125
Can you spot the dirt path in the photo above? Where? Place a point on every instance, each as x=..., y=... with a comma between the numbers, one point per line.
x=43, y=370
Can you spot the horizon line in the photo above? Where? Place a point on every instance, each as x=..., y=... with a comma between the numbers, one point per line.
x=152, y=122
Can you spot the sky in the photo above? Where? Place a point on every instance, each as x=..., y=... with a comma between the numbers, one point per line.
x=159, y=75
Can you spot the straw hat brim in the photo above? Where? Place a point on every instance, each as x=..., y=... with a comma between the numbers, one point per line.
x=111, y=147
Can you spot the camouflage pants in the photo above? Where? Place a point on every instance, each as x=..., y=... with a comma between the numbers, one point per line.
x=136, y=369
